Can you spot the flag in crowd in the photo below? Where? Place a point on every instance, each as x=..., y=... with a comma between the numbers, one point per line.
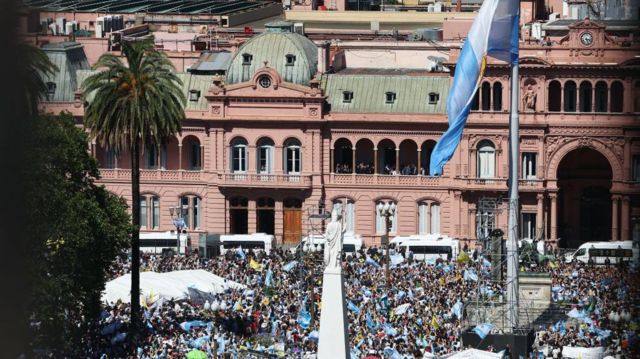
x=289, y=266
x=352, y=307
x=482, y=330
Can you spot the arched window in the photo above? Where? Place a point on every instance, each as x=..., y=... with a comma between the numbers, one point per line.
x=266, y=150
x=636, y=96
x=601, y=96
x=555, y=93
x=486, y=96
x=191, y=153
x=428, y=217
x=617, y=96
x=109, y=158
x=475, y=104
x=191, y=207
x=292, y=153
x=238, y=215
x=239, y=160
x=586, y=96
x=149, y=212
x=570, y=96
x=349, y=210
x=381, y=221
x=486, y=159
x=497, y=96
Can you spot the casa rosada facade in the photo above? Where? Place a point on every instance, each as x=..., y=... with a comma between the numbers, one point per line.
x=263, y=145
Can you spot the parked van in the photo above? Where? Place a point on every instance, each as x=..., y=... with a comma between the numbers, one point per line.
x=351, y=243
x=427, y=246
x=598, y=252
x=261, y=241
x=164, y=242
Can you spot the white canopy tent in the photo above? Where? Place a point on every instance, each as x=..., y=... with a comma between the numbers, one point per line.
x=170, y=285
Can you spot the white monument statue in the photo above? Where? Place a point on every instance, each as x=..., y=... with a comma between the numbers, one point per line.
x=333, y=240
x=334, y=335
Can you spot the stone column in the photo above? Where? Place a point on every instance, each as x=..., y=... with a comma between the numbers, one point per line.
x=540, y=214
x=251, y=217
x=332, y=167
x=554, y=216
x=375, y=160
x=353, y=160
x=472, y=221
x=614, y=216
x=625, y=217
x=202, y=153
x=419, y=168
x=397, y=160
x=180, y=156
x=562, y=97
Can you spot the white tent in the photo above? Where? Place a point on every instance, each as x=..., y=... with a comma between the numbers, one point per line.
x=474, y=354
x=583, y=353
x=170, y=285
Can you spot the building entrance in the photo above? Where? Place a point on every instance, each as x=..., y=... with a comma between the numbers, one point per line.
x=584, y=199
x=292, y=221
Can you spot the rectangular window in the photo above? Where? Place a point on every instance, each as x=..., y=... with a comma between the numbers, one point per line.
x=347, y=96
x=150, y=158
x=184, y=208
x=529, y=165
x=293, y=160
x=196, y=212
x=486, y=163
x=109, y=159
x=435, y=218
x=423, y=218
x=528, y=226
x=390, y=97
x=246, y=59
x=434, y=98
x=194, y=95
x=155, y=203
x=291, y=59
x=143, y=213
x=239, y=159
x=636, y=168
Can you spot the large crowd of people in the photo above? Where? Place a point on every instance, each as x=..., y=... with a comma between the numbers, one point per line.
x=422, y=314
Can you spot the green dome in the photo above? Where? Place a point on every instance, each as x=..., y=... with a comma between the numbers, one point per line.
x=294, y=57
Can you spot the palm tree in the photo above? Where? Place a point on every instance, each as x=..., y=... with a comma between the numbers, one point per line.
x=133, y=106
x=37, y=67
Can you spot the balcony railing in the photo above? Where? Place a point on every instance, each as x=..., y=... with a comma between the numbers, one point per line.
x=163, y=175
x=265, y=180
x=383, y=180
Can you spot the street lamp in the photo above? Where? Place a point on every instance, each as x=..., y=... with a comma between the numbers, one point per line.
x=177, y=216
x=386, y=210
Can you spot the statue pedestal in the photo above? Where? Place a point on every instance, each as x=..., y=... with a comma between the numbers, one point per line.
x=334, y=329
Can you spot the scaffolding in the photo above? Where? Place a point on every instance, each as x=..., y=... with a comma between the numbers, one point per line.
x=492, y=304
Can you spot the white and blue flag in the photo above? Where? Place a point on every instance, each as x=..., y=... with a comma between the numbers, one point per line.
x=494, y=33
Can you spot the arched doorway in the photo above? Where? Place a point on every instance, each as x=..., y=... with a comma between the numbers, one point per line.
x=292, y=221
x=238, y=215
x=265, y=215
x=343, y=156
x=584, y=199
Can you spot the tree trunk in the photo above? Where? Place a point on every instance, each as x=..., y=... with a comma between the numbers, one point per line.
x=135, y=243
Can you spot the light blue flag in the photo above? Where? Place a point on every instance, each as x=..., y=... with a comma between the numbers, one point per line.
x=457, y=309
x=268, y=280
x=289, y=266
x=483, y=329
x=372, y=262
x=494, y=33
x=370, y=323
x=240, y=253
x=470, y=274
x=220, y=345
x=304, y=319
x=352, y=307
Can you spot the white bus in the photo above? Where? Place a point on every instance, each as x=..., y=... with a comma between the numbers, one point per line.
x=427, y=246
x=351, y=243
x=254, y=241
x=598, y=252
x=164, y=242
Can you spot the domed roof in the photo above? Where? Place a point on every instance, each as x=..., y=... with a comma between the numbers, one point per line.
x=294, y=57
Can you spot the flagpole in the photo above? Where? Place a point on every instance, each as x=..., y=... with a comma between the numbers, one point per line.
x=512, y=235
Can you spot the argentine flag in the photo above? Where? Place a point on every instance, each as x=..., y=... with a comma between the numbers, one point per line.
x=494, y=33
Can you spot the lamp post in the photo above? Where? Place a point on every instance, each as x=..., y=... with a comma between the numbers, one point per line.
x=177, y=216
x=386, y=210
x=309, y=251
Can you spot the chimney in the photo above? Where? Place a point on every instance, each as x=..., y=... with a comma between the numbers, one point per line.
x=323, y=56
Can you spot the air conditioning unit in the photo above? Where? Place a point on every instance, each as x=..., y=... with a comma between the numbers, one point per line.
x=99, y=27
x=298, y=28
x=536, y=30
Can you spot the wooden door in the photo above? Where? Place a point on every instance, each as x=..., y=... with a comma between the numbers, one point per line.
x=292, y=225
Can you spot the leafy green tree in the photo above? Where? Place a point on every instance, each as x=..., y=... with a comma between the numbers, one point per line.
x=76, y=229
x=134, y=104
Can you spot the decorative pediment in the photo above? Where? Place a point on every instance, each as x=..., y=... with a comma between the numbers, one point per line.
x=534, y=61
x=586, y=24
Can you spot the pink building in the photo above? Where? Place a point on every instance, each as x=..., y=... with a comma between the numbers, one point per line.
x=278, y=134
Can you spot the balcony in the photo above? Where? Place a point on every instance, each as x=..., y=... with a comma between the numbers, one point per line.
x=384, y=180
x=487, y=184
x=264, y=180
x=118, y=174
